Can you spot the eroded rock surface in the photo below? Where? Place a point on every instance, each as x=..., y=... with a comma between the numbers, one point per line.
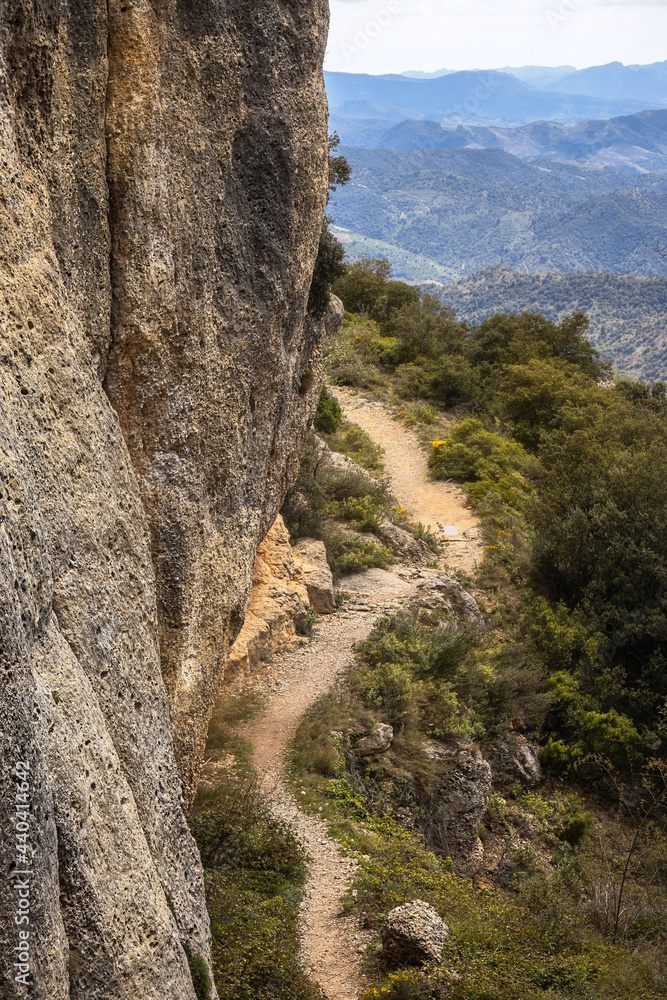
x=277, y=603
x=163, y=175
x=312, y=572
x=414, y=933
x=459, y=797
x=378, y=740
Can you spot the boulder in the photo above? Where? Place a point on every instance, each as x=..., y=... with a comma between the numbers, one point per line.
x=519, y=758
x=446, y=592
x=378, y=740
x=461, y=796
x=413, y=934
x=408, y=549
x=311, y=569
x=373, y=581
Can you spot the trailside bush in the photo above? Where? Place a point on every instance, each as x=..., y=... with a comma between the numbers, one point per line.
x=329, y=414
x=472, y=453
x=328, y=267
x=201, y=979
x=254, y=870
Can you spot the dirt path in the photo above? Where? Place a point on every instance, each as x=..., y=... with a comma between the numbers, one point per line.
x=435, y=504
x=331, y=942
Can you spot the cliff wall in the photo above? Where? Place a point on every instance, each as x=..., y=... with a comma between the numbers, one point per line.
x=163, y=176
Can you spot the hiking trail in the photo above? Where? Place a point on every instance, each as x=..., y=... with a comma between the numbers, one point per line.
x=332, y=943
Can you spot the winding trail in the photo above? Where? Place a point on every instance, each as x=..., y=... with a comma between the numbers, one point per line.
x=332, y=943
x=434, y=504
x=329, y=946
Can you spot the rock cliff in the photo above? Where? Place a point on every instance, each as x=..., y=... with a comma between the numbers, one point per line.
x=163, y=179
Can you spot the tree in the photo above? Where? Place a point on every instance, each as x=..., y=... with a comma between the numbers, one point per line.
x=340, y=170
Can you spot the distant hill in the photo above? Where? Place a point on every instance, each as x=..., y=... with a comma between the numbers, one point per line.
x=484, y=97
x=465, y=210
x=614, y=81
x=628, y=314
x=633, y=142
x=541, y=77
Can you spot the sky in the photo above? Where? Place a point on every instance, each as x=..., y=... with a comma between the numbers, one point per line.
x=392, y=36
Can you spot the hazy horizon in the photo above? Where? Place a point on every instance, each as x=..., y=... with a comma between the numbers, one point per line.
x=398, y=36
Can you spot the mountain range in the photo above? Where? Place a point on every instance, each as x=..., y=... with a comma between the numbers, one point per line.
x=632, y=142
x=612, y=80
x=479, y=97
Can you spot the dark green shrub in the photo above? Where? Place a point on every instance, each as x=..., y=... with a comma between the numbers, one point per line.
x=328, y=267
x=201, y=979
x=329, y=414
x=472, y=453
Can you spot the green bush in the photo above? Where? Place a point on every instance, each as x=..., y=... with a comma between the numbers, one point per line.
x=201, y=979
x=255, y=868
x=472, y=453
x=329, y=414
x=328, y=267
x=352, y=441
x=349, y=553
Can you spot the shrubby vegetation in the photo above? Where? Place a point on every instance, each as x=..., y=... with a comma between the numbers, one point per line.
x=569, y=470
x=577, y=910
x=339, y=504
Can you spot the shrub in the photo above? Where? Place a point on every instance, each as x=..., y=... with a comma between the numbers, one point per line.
x=201, y=979
x=472, y=453
x=354, y=442
x=255, y=867
x=328, y=267
x=349, y=553
x=329, y=414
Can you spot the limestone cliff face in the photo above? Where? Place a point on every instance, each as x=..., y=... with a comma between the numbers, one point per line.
x=163, y=174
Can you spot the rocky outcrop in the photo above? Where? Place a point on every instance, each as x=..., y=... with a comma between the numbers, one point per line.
x=162, y=192
x=378, y=740
x=313, y=573
x=413, y=934
x=459, y=798
x=277, y=604
x=409, y=550
x=445, y=592
x=518, y=758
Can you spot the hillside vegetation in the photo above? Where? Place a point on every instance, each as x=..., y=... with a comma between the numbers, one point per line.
x=567, y=472
x=628, y=314
x=570, y=472
x=466, y=210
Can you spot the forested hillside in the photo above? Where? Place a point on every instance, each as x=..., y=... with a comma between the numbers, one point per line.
x=628, y=314
x=466, y=210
